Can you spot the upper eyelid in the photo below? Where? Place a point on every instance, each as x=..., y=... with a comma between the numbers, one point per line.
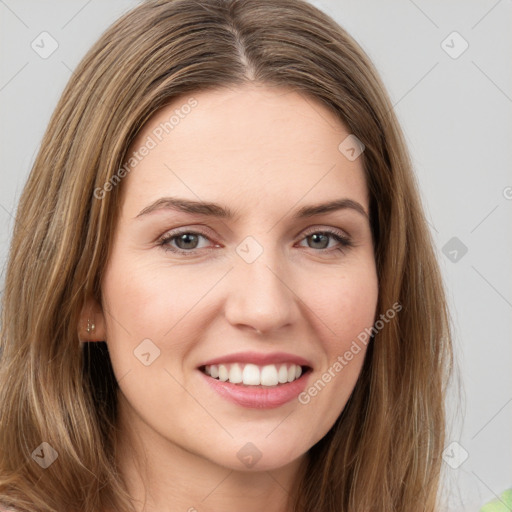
x=314, y=229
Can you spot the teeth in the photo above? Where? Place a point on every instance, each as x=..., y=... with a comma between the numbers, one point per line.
x=235, y=374
x=254, y=375
x=223, y=373
x=269, y=375
x=282, y=375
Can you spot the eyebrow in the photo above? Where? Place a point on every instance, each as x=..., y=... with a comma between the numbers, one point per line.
x=216, y=210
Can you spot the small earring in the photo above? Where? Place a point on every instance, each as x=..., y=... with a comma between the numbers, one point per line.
x=90, y=327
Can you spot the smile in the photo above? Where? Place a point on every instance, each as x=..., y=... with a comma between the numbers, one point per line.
x=249, y=374
x=258, y=387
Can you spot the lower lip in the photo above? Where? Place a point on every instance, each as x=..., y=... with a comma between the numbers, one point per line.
x=255, y=397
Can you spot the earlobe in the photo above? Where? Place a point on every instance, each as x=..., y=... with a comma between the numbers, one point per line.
x=92, y=322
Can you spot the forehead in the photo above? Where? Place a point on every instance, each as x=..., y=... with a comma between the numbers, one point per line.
x=247, y=146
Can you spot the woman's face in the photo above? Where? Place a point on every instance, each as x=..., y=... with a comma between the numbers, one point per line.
x=263, y=291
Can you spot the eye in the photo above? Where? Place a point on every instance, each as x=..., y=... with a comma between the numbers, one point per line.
x=186, y=241
x=320, y=240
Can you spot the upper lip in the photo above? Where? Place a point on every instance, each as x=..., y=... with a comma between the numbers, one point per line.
x=259, y=359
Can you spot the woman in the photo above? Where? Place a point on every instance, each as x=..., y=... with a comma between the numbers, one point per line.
x=222, y=292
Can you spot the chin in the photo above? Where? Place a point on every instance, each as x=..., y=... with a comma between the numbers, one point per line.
x=260, y=456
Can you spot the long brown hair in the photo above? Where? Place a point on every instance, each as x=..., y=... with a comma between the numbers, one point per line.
x=384, y=451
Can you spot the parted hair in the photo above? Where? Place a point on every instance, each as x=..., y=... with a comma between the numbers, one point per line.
x=383, y=453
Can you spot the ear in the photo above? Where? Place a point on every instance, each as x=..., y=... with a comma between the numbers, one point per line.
x=91, y=316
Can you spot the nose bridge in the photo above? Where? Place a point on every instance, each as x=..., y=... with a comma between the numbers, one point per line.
x=259, y=292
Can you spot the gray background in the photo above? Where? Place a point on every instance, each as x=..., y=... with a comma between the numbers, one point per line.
x=456, y=114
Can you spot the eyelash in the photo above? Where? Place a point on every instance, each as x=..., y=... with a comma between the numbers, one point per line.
x=163, y=242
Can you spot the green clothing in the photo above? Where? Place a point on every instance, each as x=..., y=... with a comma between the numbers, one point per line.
x=503, y=504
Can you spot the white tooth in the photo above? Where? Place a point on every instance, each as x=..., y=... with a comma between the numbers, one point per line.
x=235, y=374
x=298, y=371
x=223, y=373
x=269, y=375
x=251, y=375
x=207, y=370
x=291, y=373
x=214, y=371
x=282, y=375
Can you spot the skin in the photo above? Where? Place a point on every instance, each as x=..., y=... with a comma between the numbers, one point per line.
x=263, y=152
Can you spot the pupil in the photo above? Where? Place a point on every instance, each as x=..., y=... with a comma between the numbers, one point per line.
x=316, y=237
x=186, y=237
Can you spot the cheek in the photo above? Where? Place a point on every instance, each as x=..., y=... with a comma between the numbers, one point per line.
x=148, y=302
x=149, y=334
x=344, y=310
x=347, y=304
x=151, y=310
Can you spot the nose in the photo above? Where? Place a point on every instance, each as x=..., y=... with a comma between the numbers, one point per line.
x=260, y=296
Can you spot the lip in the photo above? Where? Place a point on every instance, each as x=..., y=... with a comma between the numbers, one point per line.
x=259, y=359
x=258, y=397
